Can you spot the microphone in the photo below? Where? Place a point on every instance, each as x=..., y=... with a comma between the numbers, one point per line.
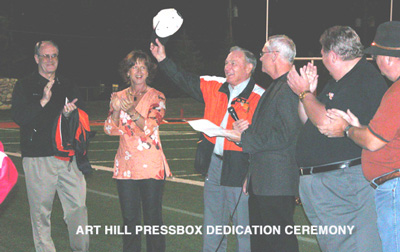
x=232, y=112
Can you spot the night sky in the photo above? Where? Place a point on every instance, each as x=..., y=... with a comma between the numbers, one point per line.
x=95, y=35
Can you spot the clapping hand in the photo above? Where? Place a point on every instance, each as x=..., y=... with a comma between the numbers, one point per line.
x=306, y=80
x=115, y=103
x=310, y=73
x=349, y=116
x=339, y=120
x=127, y=105
x=47, y=93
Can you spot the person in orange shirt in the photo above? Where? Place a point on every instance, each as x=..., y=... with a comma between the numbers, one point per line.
x=140, y=166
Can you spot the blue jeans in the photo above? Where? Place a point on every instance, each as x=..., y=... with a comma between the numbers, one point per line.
x=387, y=202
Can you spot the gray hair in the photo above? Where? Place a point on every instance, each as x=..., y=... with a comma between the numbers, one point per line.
x=249, y=56
x=40, y=43
x=343, y=41
x=284, y=45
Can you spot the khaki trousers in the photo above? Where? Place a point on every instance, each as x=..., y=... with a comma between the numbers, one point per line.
x=44, y=177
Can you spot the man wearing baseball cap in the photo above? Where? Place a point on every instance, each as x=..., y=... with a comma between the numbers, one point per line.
x=380, y=139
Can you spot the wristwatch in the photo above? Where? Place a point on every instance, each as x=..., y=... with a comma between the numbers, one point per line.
x=346, y=130
x=302, y=95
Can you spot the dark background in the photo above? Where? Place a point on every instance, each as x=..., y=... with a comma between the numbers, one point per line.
x=94, y=35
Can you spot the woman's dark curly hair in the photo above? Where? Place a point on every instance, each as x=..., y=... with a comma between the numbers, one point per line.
x=131, y=59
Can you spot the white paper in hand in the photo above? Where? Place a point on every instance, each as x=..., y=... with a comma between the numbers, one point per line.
x=208, y=128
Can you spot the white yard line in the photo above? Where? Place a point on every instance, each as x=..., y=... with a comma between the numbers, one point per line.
x=14, y=154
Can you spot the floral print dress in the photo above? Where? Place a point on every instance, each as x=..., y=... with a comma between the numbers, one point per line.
x=140, y=154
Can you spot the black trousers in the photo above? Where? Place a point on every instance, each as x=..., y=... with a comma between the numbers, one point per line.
x=271, y=211
x=135, y=195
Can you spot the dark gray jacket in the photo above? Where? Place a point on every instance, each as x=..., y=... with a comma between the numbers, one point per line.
x=271, y=139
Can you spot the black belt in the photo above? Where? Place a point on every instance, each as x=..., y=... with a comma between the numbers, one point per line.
x=329, y=167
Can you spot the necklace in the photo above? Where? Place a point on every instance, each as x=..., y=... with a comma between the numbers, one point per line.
x=136, y=95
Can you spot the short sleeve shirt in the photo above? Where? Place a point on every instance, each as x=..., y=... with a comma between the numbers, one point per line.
x=361, y=91
x=386, y=126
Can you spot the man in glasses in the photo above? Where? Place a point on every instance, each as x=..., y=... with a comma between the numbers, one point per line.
x=37, y=101
x=273, y=178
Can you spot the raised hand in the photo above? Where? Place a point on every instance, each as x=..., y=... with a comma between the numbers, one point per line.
x=298, y=83
x=158, y=51
x=312, y=77
x=306, y=80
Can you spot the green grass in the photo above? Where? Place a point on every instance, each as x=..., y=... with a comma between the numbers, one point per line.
x=182, y=202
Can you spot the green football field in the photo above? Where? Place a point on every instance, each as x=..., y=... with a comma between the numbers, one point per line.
x=182, y=201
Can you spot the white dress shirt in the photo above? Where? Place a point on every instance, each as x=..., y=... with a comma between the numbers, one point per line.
x=233, y=93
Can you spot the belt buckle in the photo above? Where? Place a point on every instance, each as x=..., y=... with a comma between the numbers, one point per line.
x=344, y=165
x=302, y=171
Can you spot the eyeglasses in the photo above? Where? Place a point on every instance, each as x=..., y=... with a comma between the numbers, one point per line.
x=262, y=53
x=48, y=56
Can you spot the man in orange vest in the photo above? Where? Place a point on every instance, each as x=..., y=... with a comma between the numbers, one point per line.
x=223, y=161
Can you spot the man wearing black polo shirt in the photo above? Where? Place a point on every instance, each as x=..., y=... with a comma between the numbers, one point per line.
x=333, y=189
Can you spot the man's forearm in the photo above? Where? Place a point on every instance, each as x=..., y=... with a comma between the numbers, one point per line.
x=314, y=110
x=188, y=82
x=363, y=137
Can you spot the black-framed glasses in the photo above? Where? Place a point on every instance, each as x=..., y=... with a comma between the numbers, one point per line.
x=48, y=56
x=262, y=53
